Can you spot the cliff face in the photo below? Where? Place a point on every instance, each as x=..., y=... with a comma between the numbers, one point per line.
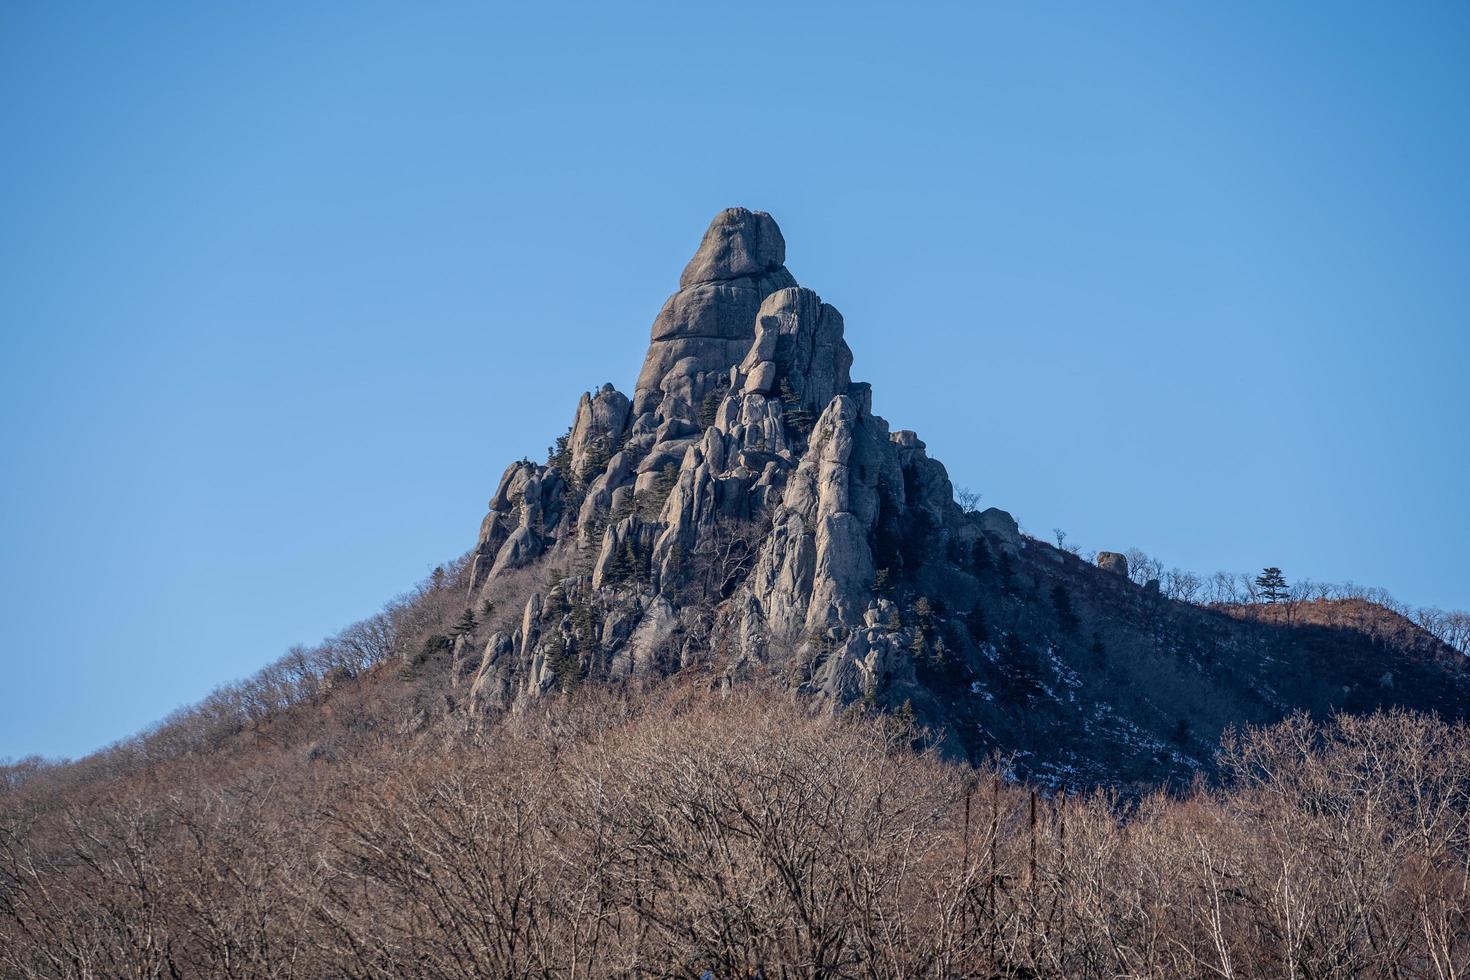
x=746, y=512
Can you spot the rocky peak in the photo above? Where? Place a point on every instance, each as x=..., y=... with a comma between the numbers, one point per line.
x=737, y=244
x=759, y=524
x=747, y=512
x=746, y=491
x=706, y=327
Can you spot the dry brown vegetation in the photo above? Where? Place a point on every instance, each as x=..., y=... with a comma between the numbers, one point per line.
x=741, y=833
x=1380, y=623
x=1370, y=610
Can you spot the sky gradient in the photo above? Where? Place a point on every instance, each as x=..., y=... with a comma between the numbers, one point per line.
x=284, y=287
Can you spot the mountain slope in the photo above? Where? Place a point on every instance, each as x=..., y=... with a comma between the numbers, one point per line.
x=668, y=717
x=746, y=513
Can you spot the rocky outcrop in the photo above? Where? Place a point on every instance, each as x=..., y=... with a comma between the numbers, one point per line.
x=737, y=245
x=648, y=643
x=815, y=570
x=930, y=510
x=609, y=492
x=525, y=518
x=870, y=660
x=623, y=557
x=799, y=354
x=1000, y=528
x=745, y=511
x=597, y=432
x=1112, y=561
x=707, y=326
x=492, y=688
x=746, y=484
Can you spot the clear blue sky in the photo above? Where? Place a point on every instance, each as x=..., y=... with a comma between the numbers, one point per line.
x=284, y=287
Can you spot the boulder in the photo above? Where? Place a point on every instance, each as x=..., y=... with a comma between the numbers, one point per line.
x=737, y=244
x=1112, y=561
x=639, y=658
x=601, y=420
x=762, y=379
x=1000, y=527
x=492, y=686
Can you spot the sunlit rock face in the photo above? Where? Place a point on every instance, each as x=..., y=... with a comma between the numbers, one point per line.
x=737, y=509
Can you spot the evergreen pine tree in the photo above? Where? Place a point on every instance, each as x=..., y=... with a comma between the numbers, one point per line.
x=918, y=647
x=797, y=419
x=882, y=580
x=466, y=624
x=1272, y=584
x=1006, y=567
x=709, y=409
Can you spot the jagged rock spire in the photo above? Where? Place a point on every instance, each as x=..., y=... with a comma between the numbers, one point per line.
x=798, y=351
x=747, y=487
x=707, y=326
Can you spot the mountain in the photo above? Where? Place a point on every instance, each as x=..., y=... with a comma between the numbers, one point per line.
x=732, y=686
x=745, y=513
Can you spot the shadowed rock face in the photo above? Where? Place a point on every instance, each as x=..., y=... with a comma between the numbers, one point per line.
x=746, y=511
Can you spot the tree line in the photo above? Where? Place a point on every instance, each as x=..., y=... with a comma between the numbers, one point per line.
x=303, y=675
x=742, y=835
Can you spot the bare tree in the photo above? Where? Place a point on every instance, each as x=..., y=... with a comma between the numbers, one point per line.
x=1142, y=566
x=743, y=834
x=1182, y=586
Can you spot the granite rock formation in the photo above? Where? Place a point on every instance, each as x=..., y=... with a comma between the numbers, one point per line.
x=747, y=483
x=746, y=513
